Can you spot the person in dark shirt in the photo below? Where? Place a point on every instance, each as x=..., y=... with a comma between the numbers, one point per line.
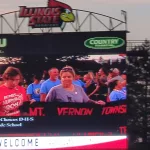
x=103, y=89
x=90, y=86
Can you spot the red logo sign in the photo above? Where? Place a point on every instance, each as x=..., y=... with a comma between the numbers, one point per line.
x=57, y=14
x=65, y=111
x=114, y=110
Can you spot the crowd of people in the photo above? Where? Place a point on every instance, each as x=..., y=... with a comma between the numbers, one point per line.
x=63, y=85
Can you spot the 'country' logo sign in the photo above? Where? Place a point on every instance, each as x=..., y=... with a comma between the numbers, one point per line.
x=104, y=42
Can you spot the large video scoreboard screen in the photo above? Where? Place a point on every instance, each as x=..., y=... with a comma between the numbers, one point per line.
x=63, y=90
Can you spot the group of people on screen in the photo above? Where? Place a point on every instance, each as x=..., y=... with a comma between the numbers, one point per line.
x=61, y=86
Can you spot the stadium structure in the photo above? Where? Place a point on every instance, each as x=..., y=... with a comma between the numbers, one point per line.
x=11, y=23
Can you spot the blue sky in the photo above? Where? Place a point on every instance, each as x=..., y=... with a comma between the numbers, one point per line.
x=138, y=11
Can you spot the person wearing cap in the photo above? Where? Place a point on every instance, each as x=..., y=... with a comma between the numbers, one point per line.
x=67, y=91
x=33, y=90
x=117, y=93
x=115, y=75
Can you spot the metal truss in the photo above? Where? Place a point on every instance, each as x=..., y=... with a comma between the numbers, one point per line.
x=10, y=23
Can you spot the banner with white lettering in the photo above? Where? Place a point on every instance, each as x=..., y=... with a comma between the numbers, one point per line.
x=73, y=142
